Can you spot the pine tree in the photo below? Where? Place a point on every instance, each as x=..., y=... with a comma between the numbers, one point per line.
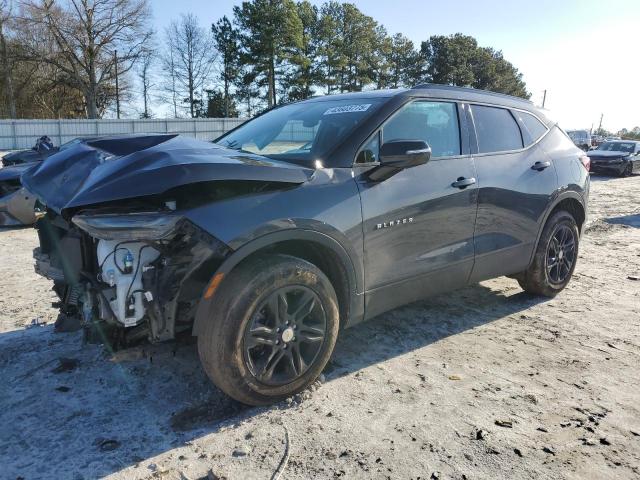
x=271, y=30
x=227, y=41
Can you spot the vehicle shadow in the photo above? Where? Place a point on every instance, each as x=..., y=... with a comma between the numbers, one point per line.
x=9, y=228
x=72, y=410
x=630, y=220
x=600, y=177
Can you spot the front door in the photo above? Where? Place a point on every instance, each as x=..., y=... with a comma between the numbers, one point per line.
x=418, y=224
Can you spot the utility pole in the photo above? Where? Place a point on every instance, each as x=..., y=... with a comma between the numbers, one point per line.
x=115, y=59
x=600, y=127
x=544, y=97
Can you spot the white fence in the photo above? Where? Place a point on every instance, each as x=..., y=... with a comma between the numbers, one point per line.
x=17, y=134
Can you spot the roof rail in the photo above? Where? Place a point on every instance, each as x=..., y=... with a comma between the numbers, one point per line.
x=477, y=90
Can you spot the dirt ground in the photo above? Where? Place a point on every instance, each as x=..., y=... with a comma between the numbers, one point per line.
x=484, y=383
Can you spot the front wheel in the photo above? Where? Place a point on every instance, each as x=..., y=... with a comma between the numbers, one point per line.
x=555, y=257
x=628, y=170
x=271, y=330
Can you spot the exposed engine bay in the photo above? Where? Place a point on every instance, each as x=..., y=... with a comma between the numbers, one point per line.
x=125, y=288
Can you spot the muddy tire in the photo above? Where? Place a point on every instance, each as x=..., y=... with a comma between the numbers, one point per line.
x=555, y=257
x=628, y=170
x=271, y=330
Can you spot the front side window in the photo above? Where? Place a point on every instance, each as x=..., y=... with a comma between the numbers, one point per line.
x=370, y=151
x=301, y=132
x=433, y=122
x=496, y=129
x=535, y=127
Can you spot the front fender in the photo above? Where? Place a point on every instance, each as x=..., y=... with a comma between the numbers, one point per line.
x=356, y=307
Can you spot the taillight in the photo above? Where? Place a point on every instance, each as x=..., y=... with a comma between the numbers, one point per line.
x=586, y=162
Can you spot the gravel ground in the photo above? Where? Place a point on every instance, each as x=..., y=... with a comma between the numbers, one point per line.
x=486, y=382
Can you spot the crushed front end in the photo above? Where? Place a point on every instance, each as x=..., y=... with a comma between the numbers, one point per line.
x=115, y=238
x=127, y=276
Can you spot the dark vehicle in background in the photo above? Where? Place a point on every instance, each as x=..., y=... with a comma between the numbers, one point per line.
x=582, y=138
x=306, y=220
x=619, y=157
x=16, y=204
x=41, y=150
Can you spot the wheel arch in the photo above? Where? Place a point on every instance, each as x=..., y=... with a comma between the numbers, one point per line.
x=571, y=202
x=318, y=248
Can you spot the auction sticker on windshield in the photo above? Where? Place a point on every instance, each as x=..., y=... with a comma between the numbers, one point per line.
x=363, y=107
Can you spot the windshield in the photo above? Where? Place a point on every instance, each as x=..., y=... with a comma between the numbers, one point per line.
x=617, y=147
x=304, y=131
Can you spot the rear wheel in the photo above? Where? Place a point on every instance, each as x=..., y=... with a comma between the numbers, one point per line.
x=271, y=331
x=555, y=257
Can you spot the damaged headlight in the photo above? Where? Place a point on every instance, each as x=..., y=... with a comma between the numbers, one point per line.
x=126, y=227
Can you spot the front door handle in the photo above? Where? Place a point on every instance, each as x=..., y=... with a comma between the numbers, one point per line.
x=462, y=182
x=540, y=166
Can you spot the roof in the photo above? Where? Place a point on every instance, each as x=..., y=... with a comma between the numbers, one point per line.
x=355, y=95
x=436, y=91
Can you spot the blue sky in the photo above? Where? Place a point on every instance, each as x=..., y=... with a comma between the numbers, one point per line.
x=585, y=53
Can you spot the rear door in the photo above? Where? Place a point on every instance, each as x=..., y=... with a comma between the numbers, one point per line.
x=516, y=180
x=418, y=226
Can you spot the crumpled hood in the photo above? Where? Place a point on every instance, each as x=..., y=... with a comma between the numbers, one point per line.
x=116, y=168
x=606, y=154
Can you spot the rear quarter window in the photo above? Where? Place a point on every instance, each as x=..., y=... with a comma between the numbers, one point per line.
x=496, y=129
x=534, y=126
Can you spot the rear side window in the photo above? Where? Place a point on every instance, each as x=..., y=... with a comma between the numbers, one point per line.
x=535, y=127
x=433, y=122
x=496, y=129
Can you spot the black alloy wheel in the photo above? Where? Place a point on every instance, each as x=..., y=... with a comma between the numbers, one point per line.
x=555, y=257
x=285, y=335
x=561, y=253
x=270, y=330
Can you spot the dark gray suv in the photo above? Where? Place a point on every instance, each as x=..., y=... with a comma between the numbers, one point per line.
x=308, y=219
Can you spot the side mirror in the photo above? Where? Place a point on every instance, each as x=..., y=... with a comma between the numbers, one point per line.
x=404, y=153
x=398, y=155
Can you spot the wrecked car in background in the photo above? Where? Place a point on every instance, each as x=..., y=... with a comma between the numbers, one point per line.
x=16, y=204
x=42, y=149
x=307, y=219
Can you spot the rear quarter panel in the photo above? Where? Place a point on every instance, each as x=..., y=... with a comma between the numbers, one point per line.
x=572, y=176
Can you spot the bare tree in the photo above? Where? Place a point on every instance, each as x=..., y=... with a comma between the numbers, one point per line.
x=85, y=34
x=189, y=58
x=5, y=60
x=169, y=84
x=144, y=72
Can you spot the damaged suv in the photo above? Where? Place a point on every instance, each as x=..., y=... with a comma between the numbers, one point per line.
x=305, y=220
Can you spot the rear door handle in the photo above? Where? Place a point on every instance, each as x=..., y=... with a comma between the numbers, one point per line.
x=540, y=166
x=462, y=182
